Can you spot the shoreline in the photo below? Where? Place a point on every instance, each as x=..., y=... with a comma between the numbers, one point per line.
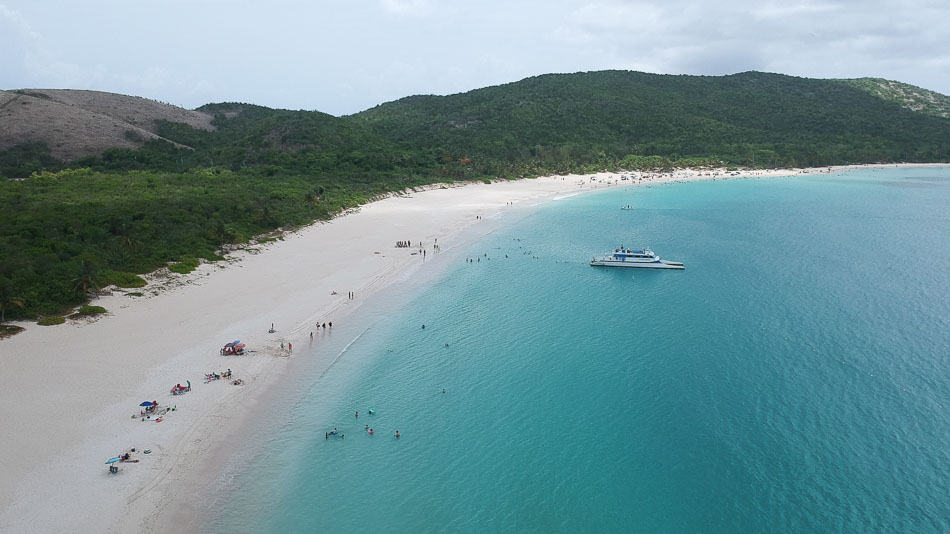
x=70, y=390
x=213, y=483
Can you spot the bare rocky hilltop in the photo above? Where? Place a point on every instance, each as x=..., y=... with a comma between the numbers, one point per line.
x=77, y=123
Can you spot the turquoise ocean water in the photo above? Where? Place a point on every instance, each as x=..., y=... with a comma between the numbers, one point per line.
x=794, y=378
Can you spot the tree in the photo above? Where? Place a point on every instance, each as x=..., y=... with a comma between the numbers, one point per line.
x=86, y=280
x=7, y=297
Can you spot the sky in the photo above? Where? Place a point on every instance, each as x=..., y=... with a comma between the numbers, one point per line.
x=344, y=56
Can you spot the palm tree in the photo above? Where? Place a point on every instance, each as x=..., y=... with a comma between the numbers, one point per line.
x=86, y=280
x=7, y=298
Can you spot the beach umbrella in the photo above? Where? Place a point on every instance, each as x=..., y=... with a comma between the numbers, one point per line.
x=146, y=403
x=113, y=460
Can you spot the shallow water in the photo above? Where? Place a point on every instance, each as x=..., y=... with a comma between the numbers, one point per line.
x=795, y=377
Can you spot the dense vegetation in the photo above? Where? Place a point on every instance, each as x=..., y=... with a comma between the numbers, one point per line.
x=905, y=95
x=70, y=227
x=23, y=160
x=554, y=122
x=65, y=234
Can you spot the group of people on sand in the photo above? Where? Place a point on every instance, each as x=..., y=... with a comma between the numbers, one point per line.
x=125, y=457
x=148, y=411
x=215, y=376
x=319, y=325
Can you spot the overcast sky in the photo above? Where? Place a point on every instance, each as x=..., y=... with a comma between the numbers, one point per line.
x=343, y=56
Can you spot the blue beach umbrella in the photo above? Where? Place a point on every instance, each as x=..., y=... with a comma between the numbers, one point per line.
x=113, y=460
x=146, y=403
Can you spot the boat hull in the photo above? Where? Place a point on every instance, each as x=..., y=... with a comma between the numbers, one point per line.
x=661, y=264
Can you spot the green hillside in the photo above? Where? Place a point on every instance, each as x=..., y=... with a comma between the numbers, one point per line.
x=109, y=217
x=259, y=138
x=69, y=227
x=560, y=120
x=906, y=95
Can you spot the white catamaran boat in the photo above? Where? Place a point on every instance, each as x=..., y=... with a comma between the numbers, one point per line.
x=625, y=257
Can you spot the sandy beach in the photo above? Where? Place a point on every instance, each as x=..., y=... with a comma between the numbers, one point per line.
x=71, y=393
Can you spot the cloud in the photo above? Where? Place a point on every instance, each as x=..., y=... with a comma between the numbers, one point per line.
x=344, y=57
x=25, y=61
x=17, y=40
x=786, y=10
x=407, y=7
x=818, y=38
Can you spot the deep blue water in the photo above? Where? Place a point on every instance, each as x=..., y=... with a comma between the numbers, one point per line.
x=794, y=378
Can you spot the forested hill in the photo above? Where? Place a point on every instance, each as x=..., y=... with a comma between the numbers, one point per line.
x=559, y=119
x=908, y=96
x=96, y=188
x=549, y=123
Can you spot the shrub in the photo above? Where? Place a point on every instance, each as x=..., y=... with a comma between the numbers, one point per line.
x=180, y=268
x=121, y=279
x=51, y=320
x=185, y=266
x=7, y=330
x=86, y=309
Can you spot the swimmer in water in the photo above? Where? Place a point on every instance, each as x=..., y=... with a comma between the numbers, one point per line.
x=397, y=433
x=371, y=431
x=443, y=390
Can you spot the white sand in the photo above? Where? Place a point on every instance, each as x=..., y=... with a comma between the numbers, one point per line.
x=68, y=392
